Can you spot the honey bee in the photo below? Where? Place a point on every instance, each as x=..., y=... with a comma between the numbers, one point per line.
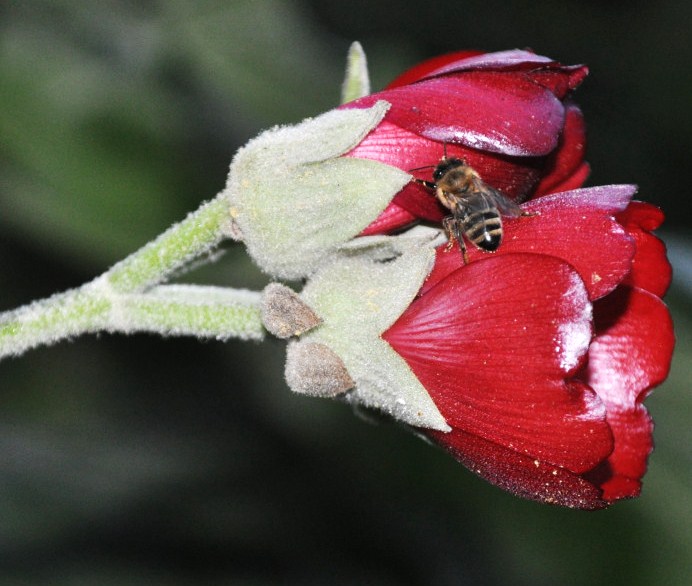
x=476, y=208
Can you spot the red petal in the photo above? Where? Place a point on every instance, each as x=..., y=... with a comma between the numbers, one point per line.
x=493, y=344
x=392, y=218
x=498, y=112
x=574, y=181
x=650, y=267
x=576, y=226
x=422, y=70
x=620, y=475
x=630, y=354
x=512, y=60
x=523, y=476
x=642, y=215
x=561, y=81
x=633, y=346
x=393, y=145
x=420, y=202
x=569, y=156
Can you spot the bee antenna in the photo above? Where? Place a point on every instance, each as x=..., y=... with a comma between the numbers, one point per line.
x=421, y=168
x=444, y=150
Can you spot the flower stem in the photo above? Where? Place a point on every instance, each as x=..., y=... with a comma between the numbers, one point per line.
x=195, y=235
x=200, y=311
x=126, y=299
x=45, y=322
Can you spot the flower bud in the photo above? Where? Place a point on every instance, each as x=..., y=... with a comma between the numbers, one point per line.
x=295, y=200
x=358, y=297
x=284, y=314
x=315, y=369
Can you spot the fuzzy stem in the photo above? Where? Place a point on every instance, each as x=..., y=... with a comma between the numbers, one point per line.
x=56, y=318
x=192, y=310
x=125, y=298
x=195, y=235
x=174, y=310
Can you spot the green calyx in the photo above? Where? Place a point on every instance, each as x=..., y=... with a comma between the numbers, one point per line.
x=358, y=298
x=295, y=200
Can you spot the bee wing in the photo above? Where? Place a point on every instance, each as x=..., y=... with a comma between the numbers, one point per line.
x=504, y=205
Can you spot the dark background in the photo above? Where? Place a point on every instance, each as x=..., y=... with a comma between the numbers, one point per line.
x=136, y=460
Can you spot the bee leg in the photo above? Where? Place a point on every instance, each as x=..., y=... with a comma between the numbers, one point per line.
x=529, y=214
x=428, y=184
x=464, y=253
x=449, y=226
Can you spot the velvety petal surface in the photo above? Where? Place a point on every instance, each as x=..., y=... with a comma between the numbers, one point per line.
x=493, y=344
x=651, y=269
x=493, y=111
x=423, y=69
x=569, y=156
x=513, y=60
x=396, y=146
x=576, y=226
x=559, y=79
x=393, y=218
x=523, y=476
x=574, y=181
x=630, y=354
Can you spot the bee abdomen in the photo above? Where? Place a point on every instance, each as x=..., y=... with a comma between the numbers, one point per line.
x=484, y=229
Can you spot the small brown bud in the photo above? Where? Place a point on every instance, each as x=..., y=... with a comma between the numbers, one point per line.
x=284, y=314
x=315, y=369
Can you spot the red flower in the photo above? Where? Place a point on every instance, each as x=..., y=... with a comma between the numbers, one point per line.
x=540, y=355
x=507, y=114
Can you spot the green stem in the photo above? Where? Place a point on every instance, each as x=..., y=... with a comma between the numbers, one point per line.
x=125, y=298
x=191, y=310
x=171, y=310
x=59, y=317
x=197, y=234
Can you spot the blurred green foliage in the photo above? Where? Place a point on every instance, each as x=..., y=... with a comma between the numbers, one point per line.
x=142, y=461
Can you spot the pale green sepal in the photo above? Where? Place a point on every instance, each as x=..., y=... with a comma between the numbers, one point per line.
x=295, y=202
x=358, y=299
x=357, y=81
x=314, y=139
x=383, y=248
x=385, y=382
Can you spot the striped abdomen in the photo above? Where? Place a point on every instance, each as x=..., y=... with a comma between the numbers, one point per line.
x=483, y=228
x=481, y=223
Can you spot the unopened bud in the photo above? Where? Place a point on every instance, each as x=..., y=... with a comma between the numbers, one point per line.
x=284, y=314
x=315, y=369
x=294, y=200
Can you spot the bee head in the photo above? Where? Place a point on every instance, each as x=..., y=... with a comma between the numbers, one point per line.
x=446, y=165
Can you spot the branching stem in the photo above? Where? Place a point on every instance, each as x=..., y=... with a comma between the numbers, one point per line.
x=129, y=297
